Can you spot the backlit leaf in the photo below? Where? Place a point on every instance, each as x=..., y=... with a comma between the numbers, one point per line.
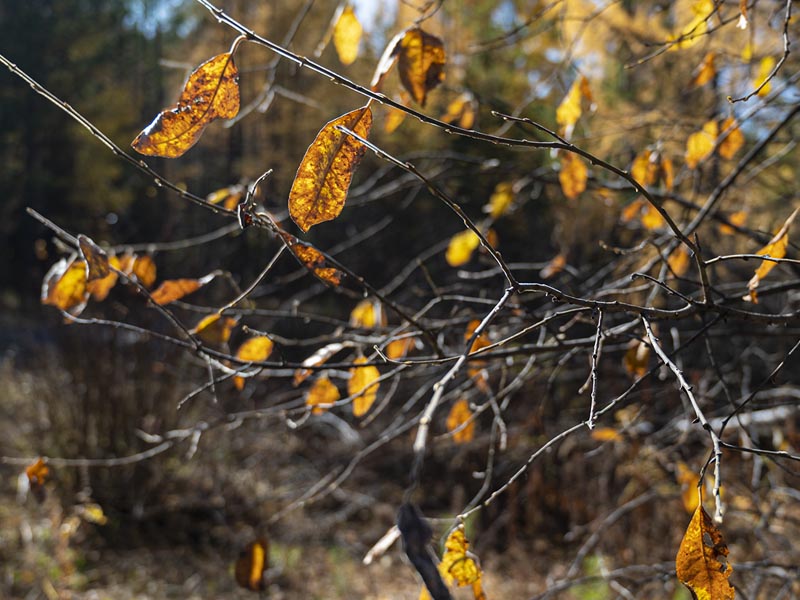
x=175, y=289
x=690, y=492
x=100, y=288
x=739, y=218
x=368, y=314
x=313, y=260
x=323, y=177
x=459, y=415
x=347, y=35
x=322, y=395
x=700, y=144
x=461, y=111
x=734, y=140
x=461, y=247
x=386, y=62
x=651, y=218
x=251, y=565
x=554, y=267
x=254, y=349
x=637, y=358
x=501, y=199
x=214, y=329
x=421, y=60
x=212, y=92
x=64, y=286
x=645, y=168
x=573, y=175
x=144, y=267
x=37, y=472
x=776, y=248
x=571, y=107
x=363, y=385
x=701, y=562
x=394, y=118
x=95, y=257
x=458, y=566
x=764, y=70
x=706, y=71
x=229, y=197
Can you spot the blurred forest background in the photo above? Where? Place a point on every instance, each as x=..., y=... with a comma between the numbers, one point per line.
x=173, y=525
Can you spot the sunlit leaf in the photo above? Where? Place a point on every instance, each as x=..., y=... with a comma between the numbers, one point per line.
x=734, y=140
x=322, y=395
x=679, y=261
x=765, y=67
x=254, y=349
x=700, y=145
x=776, y=248
x=651, y=218
x=701, y=563
x=420, y=64
x=739, y=218
x=347, y=35
x=397, y=349
x=554, y=267
x=571, y=107
x=706, y=71
x=645, y=168
x=95, y=258
x=313, y=260
x=461, y=247
x=688, y=479
x=368, y=314
x=606, y=434
x=696, y=28
x=229, y=197
x=637, y=358
x=632, y=210
x=459, y=415
x=212, y=92
x=461, y=111
x=501, y=200
x=100, y=288
x=214, y=329
x=64, y=286
x=319, y=357
x=363, y=385
x=323, y=177
x=144, y=268
x=251, y=565
x=171, y=290
x=458, y=565
x=573, y=175
x=386, y=62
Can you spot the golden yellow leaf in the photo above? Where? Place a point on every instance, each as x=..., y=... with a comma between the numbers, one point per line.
x=651, y=218
x=733, y=142
x=570, y=109
x=394, y=118
x=667, y=172
x=459, y=415
x=397, y=349
x=421, y=60
x=606, y=434
x=776, y=248
x=321, y=395
x=690, y=492
x=95, y=258
x=312, y=259
x=64, y=286
x=229, y=197
x=364, y=385
x=368, y=314
x=679, y=261
x=697, y=27
x=706, y=71
x=700, y=144
x=251, y=565
x=212, y=92
x=347, y=35
x=175, y=289
x=698, y=562
x=100, y=288
x=573, y=175
x=764, y=69
x=254, y=349
x=461, y=111
x=324, y=175
x=214, y=329
x=92, y=513
x=645, y=167
x=145, y=270
x=501, y=200
x=461, y=247
x=739, y=218
x=554, y=267
x=457, y=566
x=637, y=358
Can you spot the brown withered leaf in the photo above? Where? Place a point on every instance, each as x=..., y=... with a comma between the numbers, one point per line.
x=95, y=257
x=64, y=286
x=324, y=175
x=460, y=415
x=347, y=35
x=701, y=563
x=252, y=564
x=420, y=64
x=214, y=329
x=363, y=385
x=171, y=290
x=322, y=395
x=776, y=248
x=573, y=175
x=212, y=92
x=313, y=259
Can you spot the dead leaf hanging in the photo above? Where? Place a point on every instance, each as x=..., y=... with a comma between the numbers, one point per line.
x=323, y=177
x=420, y=63
x=458, y=565
x=701, y=562
x=313, y=259
x=95, y=257
x=100, y=288
x=212, y=92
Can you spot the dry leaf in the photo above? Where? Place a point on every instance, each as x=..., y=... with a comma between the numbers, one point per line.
x=386, y=62
x=363, y=385
x=144, y=268
x=461, y=247
x=95, y=257
x=501, y=200
x=64, y=286
x=214, y=329
x=319, y=357
x=679, y=261
x=322, y=395
x=573, y=175
x=764, y=70
x=313, y=260
x=689, y=481
x=100, y=288
x=254, y=349
x=347, y=36
x=700, y=145
x=706, y=71
x=37, y=474
x=733, y=142
x=739, y=218
x=776, y=248
x=368, y=314
x=637, y=358
x=420, y=64
x=459, y=415
x=458, y=566
x=701, y=562
x=212, y=92
x=251, y=565
x=324, y=175
x=175, y=289
x=667, y=172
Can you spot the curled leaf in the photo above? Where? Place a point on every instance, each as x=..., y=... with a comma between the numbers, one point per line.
x=323, y=177
x=701, y=562
x=458, y=565
x=319, y=357
x=251, y=565
x=175, y=289
x=212, y=92
x=460, y=420
x=421, y=60
x=363, y=386
x=347, y=35
x=322, y=395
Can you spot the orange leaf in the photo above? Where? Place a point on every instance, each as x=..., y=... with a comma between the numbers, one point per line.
x=37, y=472
x=637, y=358
x=175, y=289
x=95, y=257
x=251, y=565
x=775, y=249
x=690, y=492
x=606, y=434
x=420, y=64
x=570, y=109
x=700, y=145
x=363, y=385
x=324, y=175
x=573, y=175
x=706, y=71
x=733, y=142
x=651, y=218
x=554, y=267
x=739, y=218
x=347, y=35
x=64, y=286
x=214, y=329
x=480, y=342
x=212, y=92
x=698, y=562
x=145, y=270
x=322, y=395
x=399, y=348
x=313, y=259
x=645, y=168
x=459, y=415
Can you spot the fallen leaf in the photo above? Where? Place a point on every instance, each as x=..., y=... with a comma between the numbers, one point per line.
x=573, y=175
x=313, y=260
x=251, y=565
x=324, y=175
x=461, y=247
x=212, y=92
x=214, y=329
x=363, y=386
x=776, y=248
x=420, y=64
x=501, y=200
x=459, y=415
x=733, y=142
x=322, y=395
x=347, y=36
x=64, y=286
x=700, y=144
x=701, y=563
